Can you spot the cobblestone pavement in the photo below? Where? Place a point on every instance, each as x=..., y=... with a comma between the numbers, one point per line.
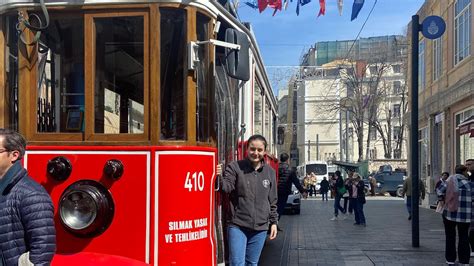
x=312, y=239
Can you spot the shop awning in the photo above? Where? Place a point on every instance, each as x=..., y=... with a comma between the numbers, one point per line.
x=467, y=127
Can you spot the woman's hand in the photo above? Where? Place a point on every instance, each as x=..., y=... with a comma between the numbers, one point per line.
x=273, y=231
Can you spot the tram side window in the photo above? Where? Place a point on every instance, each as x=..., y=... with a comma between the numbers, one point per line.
x=204, y=89
x=60, y=84
x=173, y=73
x=258, y=111
x=119, y=75
x=11, y=69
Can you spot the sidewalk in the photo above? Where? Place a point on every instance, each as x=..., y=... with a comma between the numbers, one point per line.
x=312, y=239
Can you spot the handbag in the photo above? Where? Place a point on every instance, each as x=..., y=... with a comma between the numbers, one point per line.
x=440, y=206
x=342, y=190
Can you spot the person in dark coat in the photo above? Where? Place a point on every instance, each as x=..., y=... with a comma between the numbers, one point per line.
x=324, y=188
x=286, y=177
x=26, y=210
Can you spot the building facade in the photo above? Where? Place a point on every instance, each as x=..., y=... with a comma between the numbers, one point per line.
x=445, y=90
x=325, y=126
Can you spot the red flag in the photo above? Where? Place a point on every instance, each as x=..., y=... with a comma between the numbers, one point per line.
x=262, y=4
x=275, y=4
x=322, y=9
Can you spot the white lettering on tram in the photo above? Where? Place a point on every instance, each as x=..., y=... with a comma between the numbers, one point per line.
x=180, y=225
x=190, y=236
x=200, y=222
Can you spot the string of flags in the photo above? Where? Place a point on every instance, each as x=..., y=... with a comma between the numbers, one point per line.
x=277, y=5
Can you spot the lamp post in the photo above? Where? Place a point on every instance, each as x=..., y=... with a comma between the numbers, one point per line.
x=432, y=28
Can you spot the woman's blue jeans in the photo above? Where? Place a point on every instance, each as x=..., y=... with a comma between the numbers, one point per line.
x=245, y=246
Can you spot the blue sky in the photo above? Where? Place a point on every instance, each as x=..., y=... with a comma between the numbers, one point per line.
x=283, y=38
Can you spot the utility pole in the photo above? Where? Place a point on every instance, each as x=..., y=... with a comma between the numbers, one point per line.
x=317, y=147
x=309, y=150
x=347, y=135
x=415, y=227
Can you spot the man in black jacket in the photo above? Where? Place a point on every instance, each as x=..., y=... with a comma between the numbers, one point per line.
x=26, y=210
x=286, y=177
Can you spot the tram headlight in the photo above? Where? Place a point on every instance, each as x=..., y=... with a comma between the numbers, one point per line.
x=86, y=208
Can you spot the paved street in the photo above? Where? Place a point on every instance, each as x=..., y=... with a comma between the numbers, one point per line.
x=312, y=239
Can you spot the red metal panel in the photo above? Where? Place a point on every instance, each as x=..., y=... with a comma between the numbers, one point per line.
x=126, y=235
x=186, y=207
x=168, y=199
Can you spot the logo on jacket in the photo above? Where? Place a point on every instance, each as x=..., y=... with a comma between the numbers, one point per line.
x=266, y=183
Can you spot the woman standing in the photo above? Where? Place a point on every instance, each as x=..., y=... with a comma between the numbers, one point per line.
x=457, y=193
x=358, y=194
x=253, y=203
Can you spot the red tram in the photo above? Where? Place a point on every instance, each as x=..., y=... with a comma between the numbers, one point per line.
x=127, y=107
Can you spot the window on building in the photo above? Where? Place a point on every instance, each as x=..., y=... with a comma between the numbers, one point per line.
x=373, y=154
x=373, y=133
x=397, y=87
x=397, y=154
x=464, y=144
x=421, y=65
x=373, y=70
x=396, y=110
x=396, y=68
x=437, y=58
x=396, y=132
x=423, y=141
x=462, y=30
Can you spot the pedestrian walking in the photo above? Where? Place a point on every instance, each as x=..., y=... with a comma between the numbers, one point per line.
x=340, y=190
x=324, y=188
x=373, y=184
x=444, y=176
x=407, y=191
x=458, y=194
x=26, y=210
x=286, y=178
x=470, y=169
x=252, y=186
x=332, y=185
x=348, y=185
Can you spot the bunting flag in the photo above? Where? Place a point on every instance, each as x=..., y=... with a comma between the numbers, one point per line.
x=356, y=7
x=322, y=7
x=339, y=6
x=262, y=4
x=252, y=5
x=302, y=3
x=275, y=4
x=285, y=4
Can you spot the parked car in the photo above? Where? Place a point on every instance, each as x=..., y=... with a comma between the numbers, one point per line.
x=390, y=182
x=293, y=204
x=366, y=186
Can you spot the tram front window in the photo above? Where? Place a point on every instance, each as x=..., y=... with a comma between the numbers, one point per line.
x=204, y=92
x=60, y=84
x=119, y=75
x=173, y=74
